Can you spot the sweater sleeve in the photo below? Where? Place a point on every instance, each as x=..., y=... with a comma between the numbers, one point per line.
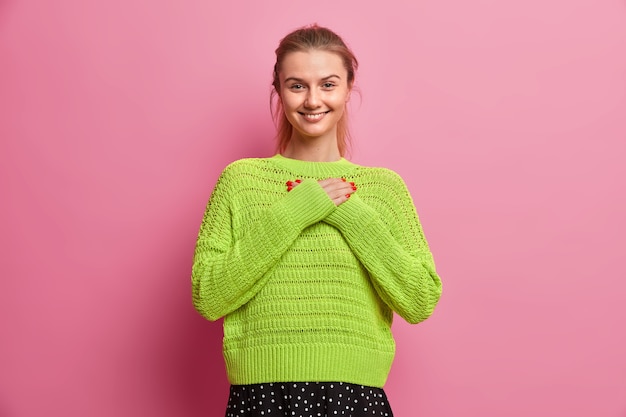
x=229, y=266
x=386, y=236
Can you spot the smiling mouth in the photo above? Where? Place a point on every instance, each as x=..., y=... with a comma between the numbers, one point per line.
x=314, y=116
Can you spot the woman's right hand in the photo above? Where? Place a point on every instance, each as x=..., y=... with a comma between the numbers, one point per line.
x=338, y=189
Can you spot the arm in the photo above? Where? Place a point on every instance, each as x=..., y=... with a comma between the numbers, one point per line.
x=387, y=238
x=228, y=270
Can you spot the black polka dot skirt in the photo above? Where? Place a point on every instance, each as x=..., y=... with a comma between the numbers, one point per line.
x=307, y=399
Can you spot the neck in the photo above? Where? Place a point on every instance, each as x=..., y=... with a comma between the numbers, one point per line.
x=313, y=150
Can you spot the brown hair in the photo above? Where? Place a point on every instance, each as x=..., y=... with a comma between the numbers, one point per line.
x=305, y=39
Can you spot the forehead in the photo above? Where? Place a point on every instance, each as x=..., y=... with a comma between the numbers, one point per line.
x=312, y=64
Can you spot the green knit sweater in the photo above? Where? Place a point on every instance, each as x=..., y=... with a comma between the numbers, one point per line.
x=308, y=289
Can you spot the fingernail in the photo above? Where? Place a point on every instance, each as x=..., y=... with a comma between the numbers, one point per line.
x=347, y=195
x=354, y=188
x=343, y=179
x=352, y=184
x=298, y=181
x=289, y=183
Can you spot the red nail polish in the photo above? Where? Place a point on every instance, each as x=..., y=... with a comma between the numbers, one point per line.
x=352, y=184
x=354, y=188
x=289, y=183
x=298, y=181
x=343, y=179
x=347, y=195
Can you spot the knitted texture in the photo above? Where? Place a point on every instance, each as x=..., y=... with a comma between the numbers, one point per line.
x=308, y=289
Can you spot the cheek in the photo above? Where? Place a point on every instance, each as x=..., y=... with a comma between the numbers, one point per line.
x=341, y=102
x=289, y=101
x=289, y=109
x=342, y=98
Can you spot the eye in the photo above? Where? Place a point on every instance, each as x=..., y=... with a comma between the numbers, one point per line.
x=328, y=85
x=296, y=87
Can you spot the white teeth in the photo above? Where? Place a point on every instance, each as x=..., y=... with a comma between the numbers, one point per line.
x=316, y=116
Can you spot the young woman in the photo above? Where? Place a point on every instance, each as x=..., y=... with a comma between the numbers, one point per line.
x=307, y=255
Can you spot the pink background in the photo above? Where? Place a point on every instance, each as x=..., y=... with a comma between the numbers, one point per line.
x=506, y=118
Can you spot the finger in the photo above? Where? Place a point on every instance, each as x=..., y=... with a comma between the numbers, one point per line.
x=338, y=190
x=340, y=187
x=292, y=184
x=342, y=199
x=328, y=182
x=335, y=183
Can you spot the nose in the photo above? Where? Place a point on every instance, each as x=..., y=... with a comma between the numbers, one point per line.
x=312, y=99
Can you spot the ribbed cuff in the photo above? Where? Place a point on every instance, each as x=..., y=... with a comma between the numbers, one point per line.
x=306, y=204
x=352, y=216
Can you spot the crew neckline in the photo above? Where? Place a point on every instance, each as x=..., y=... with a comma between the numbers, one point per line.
x=312, y=168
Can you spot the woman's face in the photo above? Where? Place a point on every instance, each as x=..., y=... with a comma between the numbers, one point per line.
x=314, y=90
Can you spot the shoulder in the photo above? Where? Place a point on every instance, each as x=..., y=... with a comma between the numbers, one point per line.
x=245, y=165
x=248, y=168
x=382, y=186
x=246, y=173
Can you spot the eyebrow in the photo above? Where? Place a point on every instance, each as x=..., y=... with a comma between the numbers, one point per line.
x=296, y=79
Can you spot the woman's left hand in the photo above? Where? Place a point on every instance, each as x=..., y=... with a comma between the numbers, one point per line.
x=338, y=189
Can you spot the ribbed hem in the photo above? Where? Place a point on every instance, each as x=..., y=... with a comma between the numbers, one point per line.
x=308, y=363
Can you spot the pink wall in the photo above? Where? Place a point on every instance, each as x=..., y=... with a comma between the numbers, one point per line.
x=507, y=120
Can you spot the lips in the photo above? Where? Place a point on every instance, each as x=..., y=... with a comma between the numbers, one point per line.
x=314, y=117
